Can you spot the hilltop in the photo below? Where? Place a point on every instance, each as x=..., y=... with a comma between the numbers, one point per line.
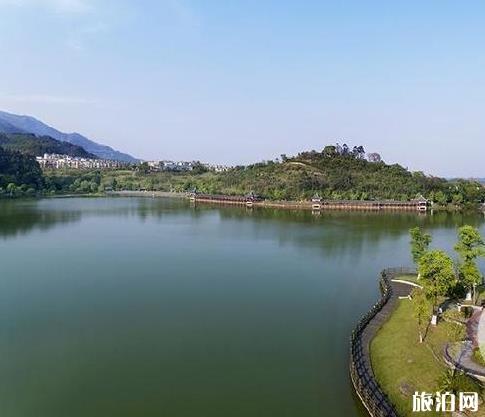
x=13, y=123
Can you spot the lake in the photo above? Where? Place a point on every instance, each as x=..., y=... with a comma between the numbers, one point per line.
x=117, y=307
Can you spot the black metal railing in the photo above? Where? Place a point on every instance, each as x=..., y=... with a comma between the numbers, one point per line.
x=365, y=384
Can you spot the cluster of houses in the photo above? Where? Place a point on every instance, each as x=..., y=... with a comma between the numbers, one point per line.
x=57, y=161
x=183, y=166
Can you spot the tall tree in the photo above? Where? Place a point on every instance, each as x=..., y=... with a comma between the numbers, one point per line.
x=437, y=275
x=420, y=242
x=374, y=157
x=329, y=151
x=422, y=310
x=470, y=246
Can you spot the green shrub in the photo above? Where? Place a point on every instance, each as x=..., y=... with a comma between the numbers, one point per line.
x=478, y=357
x=456, y=381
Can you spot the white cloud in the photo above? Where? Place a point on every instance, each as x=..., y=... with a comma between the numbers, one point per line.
x=59, y=6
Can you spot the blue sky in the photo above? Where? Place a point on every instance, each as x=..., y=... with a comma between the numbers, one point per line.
x=241, y=81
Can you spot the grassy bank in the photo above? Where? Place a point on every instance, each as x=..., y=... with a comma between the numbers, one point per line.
x=402, y=365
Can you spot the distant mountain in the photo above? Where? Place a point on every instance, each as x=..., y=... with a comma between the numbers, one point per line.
x=480, y=180
x=6, y=127
x=29, y=144
x=13, y=123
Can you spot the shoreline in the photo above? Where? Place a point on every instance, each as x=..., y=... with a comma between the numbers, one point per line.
x=333, y=205
x=150, y=194
x=350, y=205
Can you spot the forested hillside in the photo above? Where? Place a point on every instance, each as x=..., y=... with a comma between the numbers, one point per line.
x=19, y=172
x=30, y=144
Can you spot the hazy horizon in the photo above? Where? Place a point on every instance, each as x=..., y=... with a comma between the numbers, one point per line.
x=243, y=82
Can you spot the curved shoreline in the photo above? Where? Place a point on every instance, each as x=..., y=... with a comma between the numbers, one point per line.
x=365, y=384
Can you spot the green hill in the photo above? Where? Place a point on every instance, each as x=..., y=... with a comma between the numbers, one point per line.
x=335, y=173
x=32, y=145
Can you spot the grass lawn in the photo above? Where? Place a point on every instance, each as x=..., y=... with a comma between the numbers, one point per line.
x=402, y=365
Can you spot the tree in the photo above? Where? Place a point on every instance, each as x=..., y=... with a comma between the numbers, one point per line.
x=422, y=310
x=144, y=168
x=470, y=276
x=437, y=275
x=470, y=246
x=11, y=188
x=440, y=198
x=419, y=243
x=457, y=199
x=358, y=152
x=374, y=157
x=329, y=151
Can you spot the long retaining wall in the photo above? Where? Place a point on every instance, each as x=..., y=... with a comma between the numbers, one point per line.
x=350, y=205
x=367, y=388
x=357, y=205
x=128, y=193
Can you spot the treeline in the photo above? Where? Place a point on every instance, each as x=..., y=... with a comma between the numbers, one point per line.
x=440, y=276
x=19, y=174
x=75, y=182
x=32, y=145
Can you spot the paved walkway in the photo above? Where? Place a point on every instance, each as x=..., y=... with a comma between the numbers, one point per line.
x=462, y=354
x=480, y=338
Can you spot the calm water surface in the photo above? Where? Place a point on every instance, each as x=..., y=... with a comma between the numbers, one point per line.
x=150, y=307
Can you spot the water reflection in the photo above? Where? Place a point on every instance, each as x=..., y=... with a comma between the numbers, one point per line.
x=21, y=217
x=356, y=229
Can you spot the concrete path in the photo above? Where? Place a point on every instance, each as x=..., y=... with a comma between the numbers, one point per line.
x=461, y=355
x=480, y=338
